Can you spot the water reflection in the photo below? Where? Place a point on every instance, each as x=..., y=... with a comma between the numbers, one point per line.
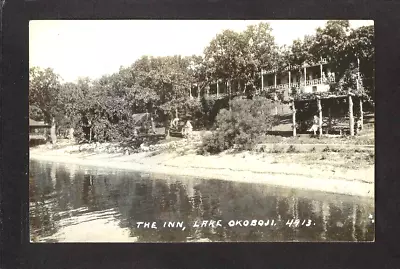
x=72, y=203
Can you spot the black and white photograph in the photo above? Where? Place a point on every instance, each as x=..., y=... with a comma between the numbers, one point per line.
x=171, y=131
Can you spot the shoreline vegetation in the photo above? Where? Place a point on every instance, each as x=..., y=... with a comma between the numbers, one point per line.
x=341, y=168
x=248, y=113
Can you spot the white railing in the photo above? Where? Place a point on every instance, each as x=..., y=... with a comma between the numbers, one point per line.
x=312, y=82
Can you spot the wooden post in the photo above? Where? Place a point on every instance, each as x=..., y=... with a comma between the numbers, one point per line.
x=198, y=91
x=294, y=118
x=190, y=91
x=320, y=67
x=289, y=79
x=305, y=76
x=330, y=120
x=351, y=116
x=275, y=101
x=320, y=115
x=217, y=88
x=275, y=80
x=176, y=113
x=361, y=113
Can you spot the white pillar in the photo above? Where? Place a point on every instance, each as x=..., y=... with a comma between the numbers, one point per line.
x=289, y=79
x=294, y=118
x=320, y=67
x=275, y=80
x=305, y=76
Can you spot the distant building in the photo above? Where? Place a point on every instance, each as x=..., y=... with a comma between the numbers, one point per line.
x=309, y=78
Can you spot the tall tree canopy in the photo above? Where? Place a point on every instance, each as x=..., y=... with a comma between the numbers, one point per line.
x=160, y=85
x=44, y=86
x=241, y=55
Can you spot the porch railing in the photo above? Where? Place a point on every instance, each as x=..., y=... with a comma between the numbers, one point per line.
x=312, y=82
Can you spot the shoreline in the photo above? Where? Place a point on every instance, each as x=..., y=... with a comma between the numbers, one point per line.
x=253, y=169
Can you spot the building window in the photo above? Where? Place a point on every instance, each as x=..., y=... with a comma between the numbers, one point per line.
x=314, y=88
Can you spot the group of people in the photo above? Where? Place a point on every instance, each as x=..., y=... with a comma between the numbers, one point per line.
x=315, y=127
x=187, y=128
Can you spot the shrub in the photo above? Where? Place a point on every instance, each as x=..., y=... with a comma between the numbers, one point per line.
x=242, y=126
x=292, y=149
x=327, y=149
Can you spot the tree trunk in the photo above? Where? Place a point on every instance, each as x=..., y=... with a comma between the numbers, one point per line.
x=230, y=94
x=217, y=89
x=361, y=114
x=351, y=116
x=53, y=133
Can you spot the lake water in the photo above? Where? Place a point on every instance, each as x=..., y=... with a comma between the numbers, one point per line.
x=71, y=203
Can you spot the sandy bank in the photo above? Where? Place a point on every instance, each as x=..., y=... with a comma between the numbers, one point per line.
x=241, y=167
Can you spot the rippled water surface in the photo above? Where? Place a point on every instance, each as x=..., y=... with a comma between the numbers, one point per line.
x=70, y=203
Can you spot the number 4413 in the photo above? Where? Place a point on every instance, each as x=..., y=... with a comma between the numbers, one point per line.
x=299, y=222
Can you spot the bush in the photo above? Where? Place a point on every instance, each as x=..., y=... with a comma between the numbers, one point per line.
x=242, y=127
x=292, y=149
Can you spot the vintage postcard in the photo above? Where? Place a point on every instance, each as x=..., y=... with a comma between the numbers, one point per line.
x=201, y=131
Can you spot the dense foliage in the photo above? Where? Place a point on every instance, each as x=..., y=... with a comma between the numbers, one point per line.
x=102, y=109
x=241, y=127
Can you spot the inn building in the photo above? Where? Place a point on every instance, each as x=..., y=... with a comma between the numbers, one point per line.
x=308, y=78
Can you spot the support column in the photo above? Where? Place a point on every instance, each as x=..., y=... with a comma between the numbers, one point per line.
x=305, y=76
x=190, y=91
x=275, y=80
x=361, y=113
x=320, y=67
x=330, y=120
x=217, y=88
x=294, y=118
x=289, y=79
x=320, y=115
x=351, y=115
x=198, y=91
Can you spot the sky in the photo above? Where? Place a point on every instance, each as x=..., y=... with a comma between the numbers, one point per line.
x=93, y=48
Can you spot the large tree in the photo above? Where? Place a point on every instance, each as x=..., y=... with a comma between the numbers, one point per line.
x=361, y=46
x=44, y=86
x=241, y=55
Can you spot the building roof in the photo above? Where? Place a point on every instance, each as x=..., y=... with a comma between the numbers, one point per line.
x=33, y=123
